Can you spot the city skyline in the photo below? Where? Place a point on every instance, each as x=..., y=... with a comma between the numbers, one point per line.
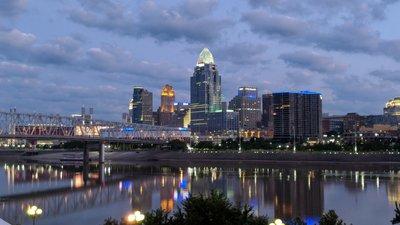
x=58, y=56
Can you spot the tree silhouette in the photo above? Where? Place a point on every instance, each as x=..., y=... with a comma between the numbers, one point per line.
x=396, y=219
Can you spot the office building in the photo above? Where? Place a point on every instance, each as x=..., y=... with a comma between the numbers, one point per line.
x=297, y=115
x=141, y=106
x=248, y=105
x=166, y=110
x=181, y=117
x=205, y=91
x=267, y=116
x=223, y=121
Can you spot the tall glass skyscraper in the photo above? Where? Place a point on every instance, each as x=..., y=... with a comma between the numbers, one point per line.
x=205, y=91
x=141, y=106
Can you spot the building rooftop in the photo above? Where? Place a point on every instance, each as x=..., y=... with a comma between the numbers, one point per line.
x=301, y=92
x=205, y=57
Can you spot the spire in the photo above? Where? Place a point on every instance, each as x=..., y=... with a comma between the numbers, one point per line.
x=205, y=57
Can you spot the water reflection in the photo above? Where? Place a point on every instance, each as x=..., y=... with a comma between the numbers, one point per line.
x=66, y=191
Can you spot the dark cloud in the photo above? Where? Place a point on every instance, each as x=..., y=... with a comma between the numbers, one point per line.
x=11, y=8
x=113, y=59
x=151, y=20
x=275, y=25
x=313, y=61
x=242, y=53
x=347, y=37
x=355, y=10
x=198, y=8
x=387, y=75
x=17, y=45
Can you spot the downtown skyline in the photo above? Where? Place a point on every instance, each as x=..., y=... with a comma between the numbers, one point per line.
x=66, y=55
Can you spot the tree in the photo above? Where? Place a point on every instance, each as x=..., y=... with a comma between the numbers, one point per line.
x=296, y=221
x=177, y=145
x=396, y=219
x=215, y=209
x=110, y=221
x=331, y=218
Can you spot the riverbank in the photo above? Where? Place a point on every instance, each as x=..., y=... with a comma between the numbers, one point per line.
x=255, y=157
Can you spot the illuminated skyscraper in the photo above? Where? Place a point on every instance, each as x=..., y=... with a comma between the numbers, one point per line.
x=205, y=91
x=141, y=106
x=167, y=99
x=392, y=107
x=166, y=110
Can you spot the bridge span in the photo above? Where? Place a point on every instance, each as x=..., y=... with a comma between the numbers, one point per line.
x=37, y=126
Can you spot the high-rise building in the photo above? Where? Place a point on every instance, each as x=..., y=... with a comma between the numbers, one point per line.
x=392, y=107
x=166, y=110
x=181, y=117
x=297, y=115
x=167, y=99
x=248, y=105
x=267, y=116
x=223, y=121
x=205, y=91
x=141, y=106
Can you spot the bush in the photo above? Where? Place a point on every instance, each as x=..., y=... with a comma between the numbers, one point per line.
x=216, y=209
x=200, y=210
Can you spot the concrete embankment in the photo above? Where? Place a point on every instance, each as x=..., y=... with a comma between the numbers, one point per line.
x=254, y=156
x=224, y=158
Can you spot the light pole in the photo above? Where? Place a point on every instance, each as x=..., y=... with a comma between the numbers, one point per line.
x=134, y=218
x=355, y=142
x=34, y=212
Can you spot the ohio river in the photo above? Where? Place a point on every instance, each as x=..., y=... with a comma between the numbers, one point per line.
x=88, y=195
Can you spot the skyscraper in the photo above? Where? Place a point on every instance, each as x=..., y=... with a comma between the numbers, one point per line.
x=248, y=105
x=141, y=106
x=267, y=116
x=166, y=110
x=167, y=99
x=392, y=107
x=205, y=91
x=297, y=115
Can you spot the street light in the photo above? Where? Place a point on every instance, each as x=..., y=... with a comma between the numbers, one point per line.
x=34, y=212
x=135, y=217
x=277, y=222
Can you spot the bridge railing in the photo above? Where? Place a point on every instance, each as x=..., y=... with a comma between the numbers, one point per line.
x=36, y=124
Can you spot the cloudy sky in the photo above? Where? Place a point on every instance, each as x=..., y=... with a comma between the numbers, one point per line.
x=57, y=55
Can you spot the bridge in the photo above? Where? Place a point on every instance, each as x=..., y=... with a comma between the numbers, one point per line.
x=37, y=126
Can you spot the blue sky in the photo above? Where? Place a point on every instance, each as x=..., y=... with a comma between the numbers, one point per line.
x=56, y=56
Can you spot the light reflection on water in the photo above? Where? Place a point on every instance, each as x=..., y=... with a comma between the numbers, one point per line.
x=91, y=194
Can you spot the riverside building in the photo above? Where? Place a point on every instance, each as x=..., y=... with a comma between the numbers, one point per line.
x=297, y=115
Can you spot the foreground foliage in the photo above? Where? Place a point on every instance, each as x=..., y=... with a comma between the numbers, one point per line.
x=216, y=209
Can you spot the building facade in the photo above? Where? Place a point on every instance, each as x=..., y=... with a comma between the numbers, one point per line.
x=248, y=105
x=141, y=106
x=181, y=117
x=223, y=121
x=297, y=115
x=205, y=91
x=167, y=109
x=267, y=116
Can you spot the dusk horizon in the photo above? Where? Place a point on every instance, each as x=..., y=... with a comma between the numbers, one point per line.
x=65, y=55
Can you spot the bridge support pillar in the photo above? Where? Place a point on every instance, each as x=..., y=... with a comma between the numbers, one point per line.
x=85, y=154
x=101, y=152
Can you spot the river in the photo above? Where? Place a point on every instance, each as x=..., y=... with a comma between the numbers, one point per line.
x=87, y=195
